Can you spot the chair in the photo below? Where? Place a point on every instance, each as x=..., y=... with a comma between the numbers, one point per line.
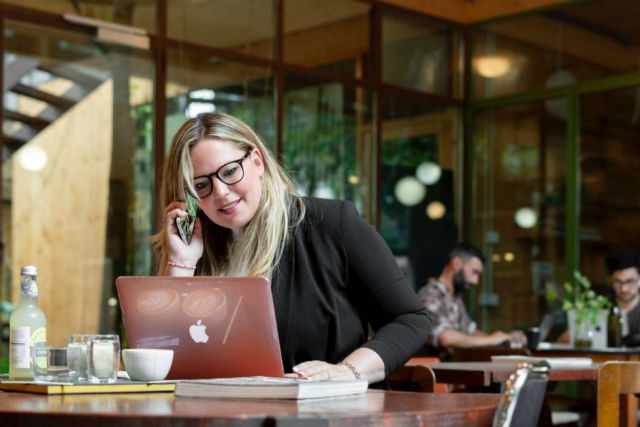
x=523, y=397
x=413, y=378
x=430, y=360
x=615, y=379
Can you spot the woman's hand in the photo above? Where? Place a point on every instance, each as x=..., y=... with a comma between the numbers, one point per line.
x=318, y=370
x=178, y=251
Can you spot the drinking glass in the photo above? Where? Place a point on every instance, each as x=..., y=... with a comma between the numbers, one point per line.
x=103, y=358
x=77, y=354
x=51, y=364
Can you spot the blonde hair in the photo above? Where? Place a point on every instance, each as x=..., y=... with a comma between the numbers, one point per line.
x=257, y=250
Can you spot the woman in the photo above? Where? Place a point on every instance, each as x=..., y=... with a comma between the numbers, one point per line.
x=332, y=275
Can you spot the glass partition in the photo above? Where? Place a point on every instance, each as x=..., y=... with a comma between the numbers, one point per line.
x=573, y=44
x=199, y=83
x=419, y=183
x=328, y=139
x=332, y=35
x=519, y=186
x=243, y=26
x=419, y=53
x=76, y=172
x=609, y=200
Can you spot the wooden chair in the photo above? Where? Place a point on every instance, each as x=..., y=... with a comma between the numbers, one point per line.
x=430, y=360
x=523, y=397
x=616, y=379
x=413, y=378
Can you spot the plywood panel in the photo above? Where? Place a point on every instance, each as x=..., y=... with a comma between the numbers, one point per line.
x=59, y=215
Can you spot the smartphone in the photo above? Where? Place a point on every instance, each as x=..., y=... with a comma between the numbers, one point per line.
x=186, y=224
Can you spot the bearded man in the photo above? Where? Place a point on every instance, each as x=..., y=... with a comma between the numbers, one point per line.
x=452, y=327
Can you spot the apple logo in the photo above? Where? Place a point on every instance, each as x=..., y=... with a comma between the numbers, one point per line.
x=198, y=332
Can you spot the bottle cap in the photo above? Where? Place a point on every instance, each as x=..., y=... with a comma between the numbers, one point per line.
x=31, y=270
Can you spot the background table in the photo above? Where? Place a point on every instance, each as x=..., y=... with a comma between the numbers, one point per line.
x=375, y=407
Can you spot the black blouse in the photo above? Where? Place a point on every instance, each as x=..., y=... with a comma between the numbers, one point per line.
x=336, y=278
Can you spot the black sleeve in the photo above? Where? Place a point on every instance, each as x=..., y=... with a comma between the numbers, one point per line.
x=398, y=317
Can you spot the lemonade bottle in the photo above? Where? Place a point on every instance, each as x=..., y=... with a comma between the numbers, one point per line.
x=27, y=326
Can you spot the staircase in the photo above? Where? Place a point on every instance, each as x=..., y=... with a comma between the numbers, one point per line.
x=37, y=93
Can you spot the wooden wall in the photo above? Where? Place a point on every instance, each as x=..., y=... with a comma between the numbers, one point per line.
x=59, y=216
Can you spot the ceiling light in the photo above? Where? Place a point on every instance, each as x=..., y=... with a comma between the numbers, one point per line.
x=436, y=210
x=428, y=173
x=492, y=66
x=526, y=217
x=409, y=191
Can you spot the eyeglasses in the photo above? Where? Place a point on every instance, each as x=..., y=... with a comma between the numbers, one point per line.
x=229, y=174
x=630, y=281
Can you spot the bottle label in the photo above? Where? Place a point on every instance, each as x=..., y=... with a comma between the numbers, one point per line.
x=19, y=340
x=39, y=338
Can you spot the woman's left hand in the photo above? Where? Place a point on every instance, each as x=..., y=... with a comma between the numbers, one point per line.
x=318, y=370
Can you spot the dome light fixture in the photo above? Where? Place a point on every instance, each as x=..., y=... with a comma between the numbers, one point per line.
x=436, y=210
x=526, y=217
x=409, y=191
x=428, y=173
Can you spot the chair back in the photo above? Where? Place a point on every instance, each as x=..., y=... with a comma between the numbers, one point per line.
x=523, y=397
x=413, y=378
x=614, y=379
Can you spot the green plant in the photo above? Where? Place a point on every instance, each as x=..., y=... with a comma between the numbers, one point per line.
x=579, y=296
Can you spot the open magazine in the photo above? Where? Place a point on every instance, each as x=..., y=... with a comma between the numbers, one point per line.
x=268, y=388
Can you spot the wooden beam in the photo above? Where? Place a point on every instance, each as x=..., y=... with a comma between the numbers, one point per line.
x=469, y=11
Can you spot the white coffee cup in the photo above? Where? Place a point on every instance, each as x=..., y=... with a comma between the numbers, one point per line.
x=147, y=364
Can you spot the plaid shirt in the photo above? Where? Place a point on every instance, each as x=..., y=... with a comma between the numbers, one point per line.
x=446, y=310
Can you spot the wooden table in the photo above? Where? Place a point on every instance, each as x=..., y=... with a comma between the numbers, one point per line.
x=375, y=407
x=485, y=374
x=596, y=354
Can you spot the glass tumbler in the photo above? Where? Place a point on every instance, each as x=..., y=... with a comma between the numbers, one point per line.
x=78, y=345
x=103, y=358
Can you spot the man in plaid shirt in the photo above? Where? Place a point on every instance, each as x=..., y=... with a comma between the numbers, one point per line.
x=452, y=326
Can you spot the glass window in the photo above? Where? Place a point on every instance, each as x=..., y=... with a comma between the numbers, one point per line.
x=519, y=185
x=556, y=48
x=419, y=183
x=200, y=84
x=609, y=174
x=77, y=169
x=328, y=138
x=141, y=14
x=418, y=52
x=237, y=25
x=332, y=35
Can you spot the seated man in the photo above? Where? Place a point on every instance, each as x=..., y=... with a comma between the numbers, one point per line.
x=624, y=277
x=452, y=326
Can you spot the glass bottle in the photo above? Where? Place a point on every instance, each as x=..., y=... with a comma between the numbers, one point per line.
x=614, y=328
x=27, y=326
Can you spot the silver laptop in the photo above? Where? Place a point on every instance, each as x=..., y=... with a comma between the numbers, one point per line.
x=217, y=326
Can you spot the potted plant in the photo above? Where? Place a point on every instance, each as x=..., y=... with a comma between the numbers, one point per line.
x=584, y=309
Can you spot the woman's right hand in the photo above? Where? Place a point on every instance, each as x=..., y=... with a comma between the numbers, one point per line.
x=178, y=251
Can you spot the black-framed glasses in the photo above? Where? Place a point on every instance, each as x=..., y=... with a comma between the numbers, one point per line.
x=630, y=281
x=229, y=174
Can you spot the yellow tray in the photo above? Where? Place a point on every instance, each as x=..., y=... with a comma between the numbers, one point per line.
x=118, y=387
